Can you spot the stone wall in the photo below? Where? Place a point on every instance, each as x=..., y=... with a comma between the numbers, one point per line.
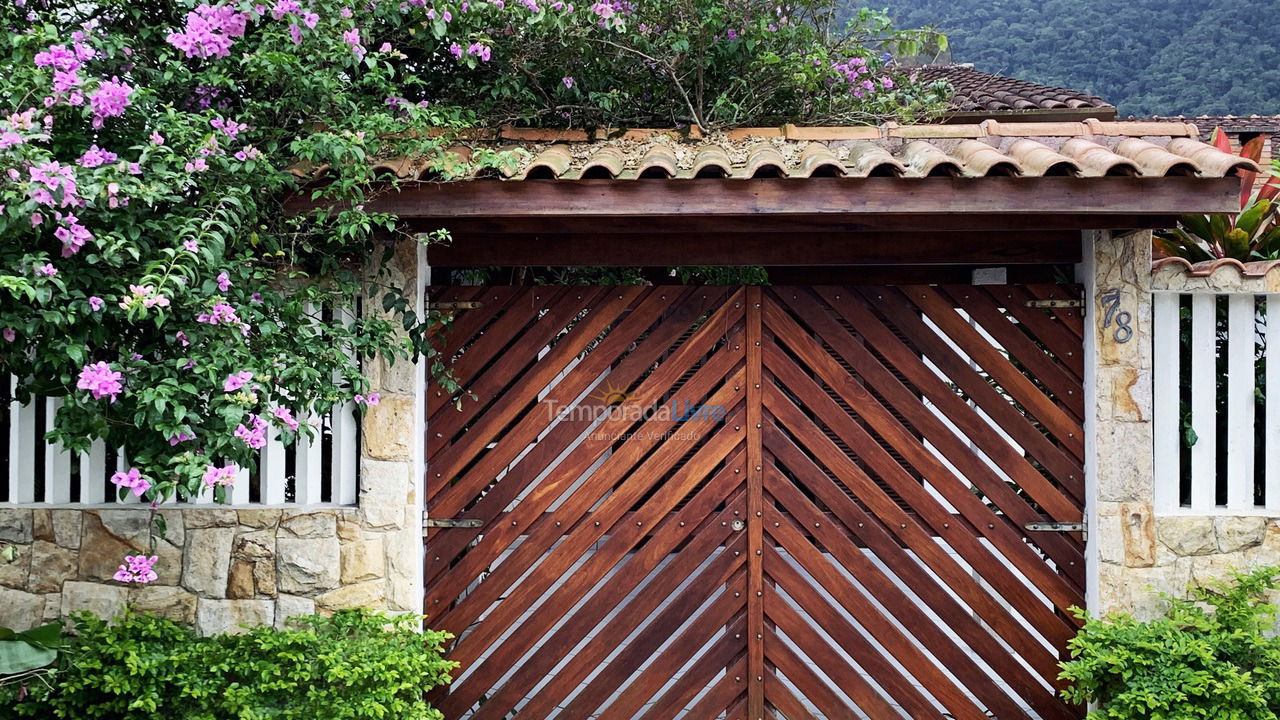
x=220, y=567
x=1137, y=552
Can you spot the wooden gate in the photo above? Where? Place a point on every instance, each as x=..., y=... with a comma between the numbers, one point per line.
x=787, y=502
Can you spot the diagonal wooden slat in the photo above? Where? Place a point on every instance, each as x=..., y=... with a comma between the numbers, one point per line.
x=706, y=538
x=959, y=371
x=790, y=622
x=1044, y=324
x=965, y=418
x=882, y=380
x=519, y=374
x=977, y=641
x=1071, y=318
x=587, y=452
x=1017, y=345
x=673, y=531
x=815, y=689
x=994, y=528
x=976, y=600
x=1055, y=420
x=542, y=534
x=842, y=450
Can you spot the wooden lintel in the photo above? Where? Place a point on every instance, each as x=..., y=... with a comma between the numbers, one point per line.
x=845, y=197
x=811, y=249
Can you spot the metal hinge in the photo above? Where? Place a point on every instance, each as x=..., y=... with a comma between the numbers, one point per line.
x=452, y=523
x=455, y=305
x=1047, y=304
x=1059, y=527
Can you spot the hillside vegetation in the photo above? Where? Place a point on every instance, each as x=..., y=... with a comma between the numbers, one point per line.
x=1165, y=57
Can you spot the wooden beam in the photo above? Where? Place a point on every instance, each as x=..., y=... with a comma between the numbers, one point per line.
x=723, y=248
x=942, y=196
x=789, y=224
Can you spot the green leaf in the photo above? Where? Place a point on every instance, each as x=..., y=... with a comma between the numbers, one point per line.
x=19, y=656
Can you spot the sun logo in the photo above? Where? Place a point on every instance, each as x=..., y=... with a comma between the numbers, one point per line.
x=609, y=394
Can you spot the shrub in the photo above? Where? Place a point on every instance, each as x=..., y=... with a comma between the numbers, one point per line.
x=1212, y=656
x=355, y=664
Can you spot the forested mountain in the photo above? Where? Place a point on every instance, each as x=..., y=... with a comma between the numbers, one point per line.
x=1165, y=57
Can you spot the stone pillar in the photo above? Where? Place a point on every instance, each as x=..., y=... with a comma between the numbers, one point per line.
x=1135, y=553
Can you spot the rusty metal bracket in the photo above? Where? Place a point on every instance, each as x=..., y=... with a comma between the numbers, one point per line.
x=1047, y=304
x=453, y=523
x=456, y=305
x=1059, y=527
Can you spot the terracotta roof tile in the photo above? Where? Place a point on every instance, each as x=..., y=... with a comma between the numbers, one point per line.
x=1088, y=149
x=1230, y=123
x=1205, y=268
x=982, y=92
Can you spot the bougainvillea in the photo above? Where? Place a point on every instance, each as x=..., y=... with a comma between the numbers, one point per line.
x=148, y=274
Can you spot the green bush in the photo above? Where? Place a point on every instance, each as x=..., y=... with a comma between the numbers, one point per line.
x=1212, y=656
x=356, y=664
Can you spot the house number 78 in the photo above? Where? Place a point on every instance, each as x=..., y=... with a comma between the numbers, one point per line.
x=1112, y=313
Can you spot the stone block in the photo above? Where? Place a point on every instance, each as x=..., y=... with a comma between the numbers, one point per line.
x=208, y=558
x=1139, y=534
x=20, y=610
x=240, y=580
x=175, y=527
x=264, y=577
x=133, y=525
x=102, y=551
x=66, y=528
x=105, y=601
x=309, y=524
x=404, y=568
x=348, y=525
x=256, y=545
x=15, y=525
x=388, y=430
x=261, y=519
x=15, y=573
x=1188, y=535
x=385, y=488
x=51, y=566
x=307, y=565
x=1122, y=474
x=42, y=524
x=370, y=594
x=209, y=517
x=363, y=560
x=289, y=606
x=1239, y=533
x=230, y=616
x=164, y=600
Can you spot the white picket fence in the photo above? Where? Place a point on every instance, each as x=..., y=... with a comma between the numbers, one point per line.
x=1217, y=438
x=321, y=470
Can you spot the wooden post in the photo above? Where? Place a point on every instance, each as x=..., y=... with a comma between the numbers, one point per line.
x=755, y=510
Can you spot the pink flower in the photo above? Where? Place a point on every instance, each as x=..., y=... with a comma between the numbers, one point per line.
x=235, y=381
x=225, y=475
x=36, y=219
x=221, y=314
x=132, y=480
x=372, y=399
x=137, y=569
x=224, y=281
x=295, y=33
x=95, y=303
x=181, y=337
x=209, y=31
x=9, y=334
x=180, y=437
x=96, y=156
x=100, y=380
x=157, y=138
x=255, y=437
x=191, y=245
x=47, y=269
x=568, y=81
x=109, y=100
x=285, y=415
x=455, y=50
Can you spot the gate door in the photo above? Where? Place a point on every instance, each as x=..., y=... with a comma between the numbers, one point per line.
x=701, y=502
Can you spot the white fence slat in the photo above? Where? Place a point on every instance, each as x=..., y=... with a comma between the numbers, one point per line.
x=57, y=461
x=343, y=423
x=1241, y=382
x=1203, y=401
x=310, y=466
x=1167, y=420
x=238, y=494
x=271, y=469
x=1273, y=403
x=93, y=468
x=22, y=450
